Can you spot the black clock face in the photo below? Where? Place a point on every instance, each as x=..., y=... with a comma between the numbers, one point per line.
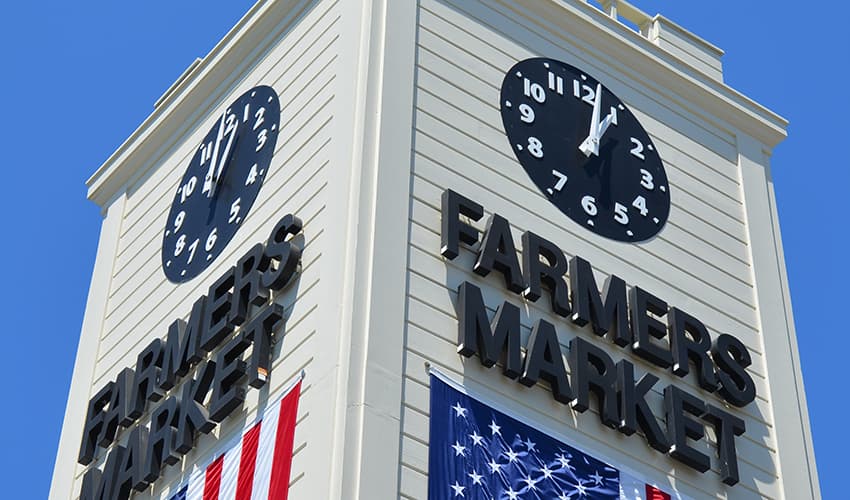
x=220, y=184
x=584, y=150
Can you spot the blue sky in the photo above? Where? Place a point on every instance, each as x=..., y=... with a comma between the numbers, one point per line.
x=78, y=79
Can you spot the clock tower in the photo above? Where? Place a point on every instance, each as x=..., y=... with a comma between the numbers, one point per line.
x=603, y=172
x=553, y=215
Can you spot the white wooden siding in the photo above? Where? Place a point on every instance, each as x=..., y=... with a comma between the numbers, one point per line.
x=700, y=262
x=301, y=67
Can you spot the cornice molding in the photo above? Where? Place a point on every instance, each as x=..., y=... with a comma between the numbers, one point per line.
x=203, y=86
x=579, y=23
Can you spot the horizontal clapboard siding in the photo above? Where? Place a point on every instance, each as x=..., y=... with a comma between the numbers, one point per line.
x=442, y=165
x=142, y=300
x=304, y=40
x=699, y=263
x=300, y=65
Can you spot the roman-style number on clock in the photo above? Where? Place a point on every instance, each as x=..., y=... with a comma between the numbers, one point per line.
x=221, y=183
x=584, y=150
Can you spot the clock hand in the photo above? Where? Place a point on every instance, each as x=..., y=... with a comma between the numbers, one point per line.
x=612, y=115
x=225, y=159
x=208, y=179
x=231, y=156
x=590, y=145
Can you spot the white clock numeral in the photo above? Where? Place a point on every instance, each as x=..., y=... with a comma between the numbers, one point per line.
x=187, y=189
x=637, y=150
x=230, y=124
x=588, y=203
x=621, y=214
x=562, y=179
x=206, y=152
x=252, y=175
x=211, y=239
x=534, y=90
x=234, y=210
x=535, y=147
x=640, y=204
x=589, y=94
x=584, y=92
x=527, y=113
x=178, y=221
x=192, y=248
x=556, y=83
x=180, y=245
x=246, y=112
x=261, y=139
x=646, y=179
x=259, y=116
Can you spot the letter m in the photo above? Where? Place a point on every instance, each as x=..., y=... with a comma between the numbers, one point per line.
x=494, y=341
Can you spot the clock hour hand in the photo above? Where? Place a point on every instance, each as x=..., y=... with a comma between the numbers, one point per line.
x=590, y=145
x=612, y=117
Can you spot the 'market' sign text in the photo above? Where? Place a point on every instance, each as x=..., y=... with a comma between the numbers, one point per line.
x=631, y=319
x=205, y=343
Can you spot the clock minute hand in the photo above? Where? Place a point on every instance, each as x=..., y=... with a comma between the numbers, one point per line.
x=208, y=179
x=590, y=145
x=225, y=157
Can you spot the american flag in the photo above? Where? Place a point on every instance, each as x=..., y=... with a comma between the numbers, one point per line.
x=257, y=465
x=477, y=452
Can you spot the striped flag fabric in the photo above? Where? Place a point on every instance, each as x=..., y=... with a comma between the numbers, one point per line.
x=256, y=467
x=477, y=452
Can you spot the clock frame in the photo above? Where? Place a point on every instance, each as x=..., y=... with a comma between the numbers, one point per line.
x=220, y=184
x=616, y=188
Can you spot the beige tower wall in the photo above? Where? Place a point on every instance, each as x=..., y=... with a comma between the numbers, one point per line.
x=701, y=262
x=385, y=105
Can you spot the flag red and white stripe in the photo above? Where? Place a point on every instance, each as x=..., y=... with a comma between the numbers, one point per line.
x=257, y=467
x=632, y=488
